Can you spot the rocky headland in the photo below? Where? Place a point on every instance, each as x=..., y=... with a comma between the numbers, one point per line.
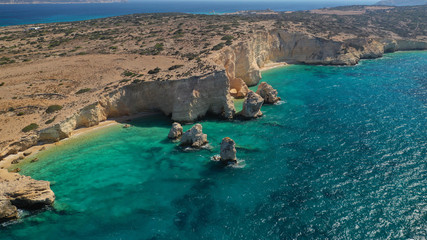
x=22, y=192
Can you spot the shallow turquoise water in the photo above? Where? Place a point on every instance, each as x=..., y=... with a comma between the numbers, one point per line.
x=343, y=158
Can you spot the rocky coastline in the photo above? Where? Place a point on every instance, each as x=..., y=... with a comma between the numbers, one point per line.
x=237, y=67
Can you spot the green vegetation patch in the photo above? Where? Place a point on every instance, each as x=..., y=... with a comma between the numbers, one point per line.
x=175, y=67
x=125, y=80
x=154, y=71
x=227, y=37
x=50, y=120
x=6, y=60
x=83, y=90
x=128, y=73
x=30, y=127
x=53, y=108
x=218, y=47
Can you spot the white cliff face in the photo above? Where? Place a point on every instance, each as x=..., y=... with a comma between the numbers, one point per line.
x=244, y=60
x=184, y=100
x=238, y=88
x=403, y=45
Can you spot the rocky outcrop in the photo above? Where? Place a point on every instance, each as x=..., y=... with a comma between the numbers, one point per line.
x=252, y=106
x=403, y=45
x=194, y=137
x=7, y=211
x=184, y=100
x=176, y=131
x=22, y=192
x=228, y=150
x=21, y=145
x=268, y=93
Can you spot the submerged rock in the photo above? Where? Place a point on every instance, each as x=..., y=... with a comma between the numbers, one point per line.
x=252, y=106
x=268, y=93
x=22, y=192
x=194, y=137
x=228, y=150
x=176, y=131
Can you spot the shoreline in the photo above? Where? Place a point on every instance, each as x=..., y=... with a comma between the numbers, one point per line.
x=6, y=163
x=273, y=65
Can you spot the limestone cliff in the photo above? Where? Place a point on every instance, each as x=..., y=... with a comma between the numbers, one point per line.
x=244, y=60
x=184, y=100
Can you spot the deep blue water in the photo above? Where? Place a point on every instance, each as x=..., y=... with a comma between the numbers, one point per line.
x=46, y=13
x=345, y=157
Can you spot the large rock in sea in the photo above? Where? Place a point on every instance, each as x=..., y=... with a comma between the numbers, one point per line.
x=268, y=93
x=176, y=131
x=194, y=137
x=228, y=150
x=252, y=106
x=22, y=192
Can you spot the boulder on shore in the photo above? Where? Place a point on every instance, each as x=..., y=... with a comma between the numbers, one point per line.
x=228, y=150
x=176, y=131
x=7, y=211
x=194, y=137
x=22, y=192
x=268, y=93
x=252, y=106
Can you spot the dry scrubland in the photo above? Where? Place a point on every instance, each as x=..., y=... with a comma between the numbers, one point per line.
x=49, y=73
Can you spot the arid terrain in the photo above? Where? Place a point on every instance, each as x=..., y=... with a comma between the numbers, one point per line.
x=48, y=72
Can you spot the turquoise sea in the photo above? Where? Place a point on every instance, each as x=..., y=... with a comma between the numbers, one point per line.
x=344, y=157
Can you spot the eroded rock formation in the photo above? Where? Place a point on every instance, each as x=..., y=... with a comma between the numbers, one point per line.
x=22, y=192
x=228, y=150
x=176, y=131
x=194, y=137
x=252, y=106
x=268, y=93
x=184, y=100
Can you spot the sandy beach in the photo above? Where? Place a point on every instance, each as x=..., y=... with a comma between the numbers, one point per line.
x=269, y=66
x=6, y=163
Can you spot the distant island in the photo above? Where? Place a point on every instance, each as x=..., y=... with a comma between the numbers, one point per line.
x=57, y=1
x=401, y=2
